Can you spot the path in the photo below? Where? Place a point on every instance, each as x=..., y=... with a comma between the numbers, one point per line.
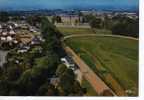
x=99, y=35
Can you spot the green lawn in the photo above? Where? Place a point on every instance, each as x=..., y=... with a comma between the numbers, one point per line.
x=89, y=89
x=110, y=55
x=69, y=31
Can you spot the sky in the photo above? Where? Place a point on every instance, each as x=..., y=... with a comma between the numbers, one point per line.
x=67, y=4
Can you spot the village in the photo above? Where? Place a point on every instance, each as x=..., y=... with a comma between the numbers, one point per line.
x=20, y=36
x=14, y=34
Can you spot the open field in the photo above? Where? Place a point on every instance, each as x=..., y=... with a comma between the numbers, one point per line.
x=69, y=31
x=114, y=59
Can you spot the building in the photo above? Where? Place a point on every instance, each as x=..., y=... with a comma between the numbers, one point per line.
x=24, y=38
x=68, y=62
x=23, y=49
x=36, y=41
x=70, y=19
x=11, y=32
x=55, y=81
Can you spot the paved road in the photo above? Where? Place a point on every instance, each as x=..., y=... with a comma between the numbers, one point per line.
x=88, y=74
x=99, y=35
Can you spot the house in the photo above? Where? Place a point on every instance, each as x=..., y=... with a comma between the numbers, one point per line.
x=25, y=38
x=15, y=41
x=15, y=25
x=23, y=49
x=32, y=30
x=68, y=62
x=2, y=38
x=10, y=27
x=17, y=61
x=35, y=41
x=55, y=81
x=4, y=33
x=9, y=39
x=11, y=32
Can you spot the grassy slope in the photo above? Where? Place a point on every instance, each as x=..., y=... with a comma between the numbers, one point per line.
x=114, y=55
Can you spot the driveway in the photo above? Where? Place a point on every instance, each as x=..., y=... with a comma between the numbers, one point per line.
x=3, y=55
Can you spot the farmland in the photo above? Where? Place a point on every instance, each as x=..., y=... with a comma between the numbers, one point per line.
x=115, y=60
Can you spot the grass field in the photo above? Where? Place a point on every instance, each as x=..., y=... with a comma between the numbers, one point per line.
x=69, y=31
x=89, y=89
x=113, y=59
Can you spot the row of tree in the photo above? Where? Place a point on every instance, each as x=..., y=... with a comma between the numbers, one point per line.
x=4, y=16
x=119, y=25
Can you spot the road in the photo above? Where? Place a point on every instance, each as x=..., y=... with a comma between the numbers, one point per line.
x=99, y=35
x=96, y=82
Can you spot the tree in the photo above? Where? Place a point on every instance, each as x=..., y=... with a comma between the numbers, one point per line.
x=52, y=37
x=47, y=90
x=96, y=23
x=27, y=87
x=68, y=85
x=16, y=18
x=76, y=22
x=13, y=93
x=45, y=66
x=56, y=19
x=13, y=73
x=127, y=27
x=61, y=69
x=107, y=23
x=33, y=20
x=80, y=15
x=93, y=21
x=67, y=80
x=4, y=87
x=48, y=29
x=4, y=17
x=77, y=90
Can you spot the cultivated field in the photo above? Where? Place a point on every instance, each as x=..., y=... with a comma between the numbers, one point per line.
x=115, y=60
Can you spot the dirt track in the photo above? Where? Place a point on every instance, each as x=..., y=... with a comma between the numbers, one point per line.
x=98, y=85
